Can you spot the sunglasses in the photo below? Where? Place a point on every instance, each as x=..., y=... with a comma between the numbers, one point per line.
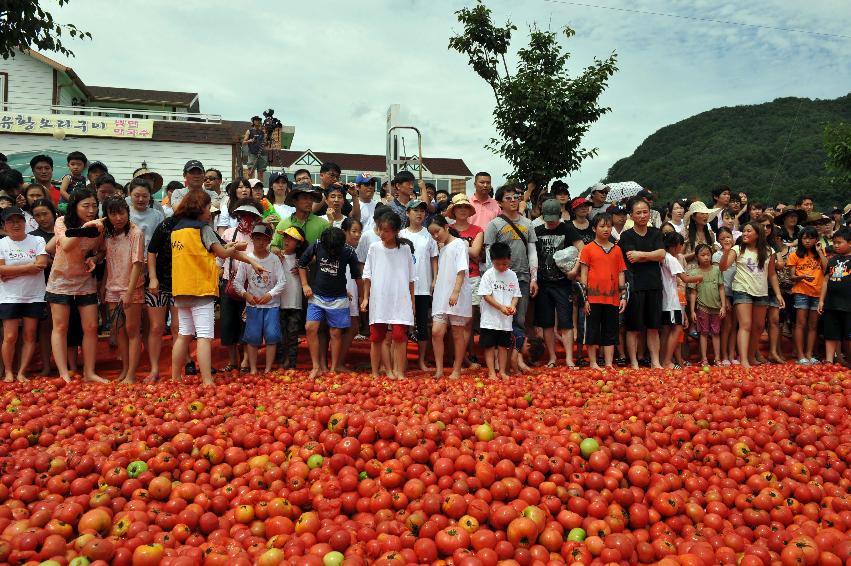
x=510, y=198
x=211, y=178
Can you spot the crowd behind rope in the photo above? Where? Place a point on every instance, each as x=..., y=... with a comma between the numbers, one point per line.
x=502, y=275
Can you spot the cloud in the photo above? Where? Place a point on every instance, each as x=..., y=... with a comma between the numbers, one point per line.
x=332, y=68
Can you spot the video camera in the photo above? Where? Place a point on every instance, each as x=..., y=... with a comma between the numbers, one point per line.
x=270, y=124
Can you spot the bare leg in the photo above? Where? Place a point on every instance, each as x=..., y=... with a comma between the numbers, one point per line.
x=716, y=347
x=348, y=338
x=775, y=347
x=375, y=355
x=704, y=346
x=387, y=355
x=592, y=356
x=58, y=337
x=653, y=347
x=744, y=312
x=490, y=362
x=757, y=326
x=179, y=351
x=121, y=342
x=550, y=343
x=252, y=358
x=632, y=348
x=567, y=340
x=44, y=330
x=459, y=338
x=28, y=349
x=422, y=350
x=400, y=359
x=204, y=351
x=10, y=339
x=156, y=318
x=830, y=348
x=312, y=330
x=271, y=349
x=89, y=319
x=812, y=325
x=336, y=346
x=322, y=337
x=438, y=332
x=609, y=355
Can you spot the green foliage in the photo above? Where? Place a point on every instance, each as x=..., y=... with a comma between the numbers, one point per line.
x=25, y=24
x=837, y=145
x=541, y=111
x=773, y=151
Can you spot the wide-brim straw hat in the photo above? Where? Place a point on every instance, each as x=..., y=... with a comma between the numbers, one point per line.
x=700, y=207
x=150, y=175
x=458, y=200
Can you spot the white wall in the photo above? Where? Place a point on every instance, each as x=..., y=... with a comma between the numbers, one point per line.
x=30, y=81
x=124, y=156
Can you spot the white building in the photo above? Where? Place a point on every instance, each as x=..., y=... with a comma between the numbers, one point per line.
x=45, y=106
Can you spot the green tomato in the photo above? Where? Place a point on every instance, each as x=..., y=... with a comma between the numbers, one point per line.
x=333, y=558
x=363, y=476
x=315, y=461
x=79, y=561
x=576, y=535
x=588, y=447
x=137, y=468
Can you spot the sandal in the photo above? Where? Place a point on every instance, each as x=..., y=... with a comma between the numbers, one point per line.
x=228, y=368
x=550, y=365
x=244, y=369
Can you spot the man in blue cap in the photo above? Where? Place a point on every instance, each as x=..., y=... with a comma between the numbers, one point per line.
x=366, y=192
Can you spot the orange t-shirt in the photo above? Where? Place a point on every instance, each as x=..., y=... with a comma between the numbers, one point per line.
x=604, y=267
x=807, y=265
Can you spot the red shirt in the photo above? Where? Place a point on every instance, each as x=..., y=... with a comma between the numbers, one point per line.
x=469, y=235
x=603, y=270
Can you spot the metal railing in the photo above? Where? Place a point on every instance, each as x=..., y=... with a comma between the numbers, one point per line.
x=95, y=111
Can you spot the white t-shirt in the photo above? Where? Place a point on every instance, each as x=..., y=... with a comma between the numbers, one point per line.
x=671, y=267
x=390, y=272
x=271, y=281
x=367, y=238
x=367, y=209
x=503, y=287
x=352, y=290
x=24, y=288
x=283, y=210
x=292, y=296
x=425, y=248
x=453, y=258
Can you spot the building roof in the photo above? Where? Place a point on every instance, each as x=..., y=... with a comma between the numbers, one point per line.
x=364, y=162
x=226, y=132
x=61, y=68
x=142, y=96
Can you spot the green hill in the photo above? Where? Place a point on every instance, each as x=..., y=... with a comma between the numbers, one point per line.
x=741, y=147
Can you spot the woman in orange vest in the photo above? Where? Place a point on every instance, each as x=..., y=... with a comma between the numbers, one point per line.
x=195, y=279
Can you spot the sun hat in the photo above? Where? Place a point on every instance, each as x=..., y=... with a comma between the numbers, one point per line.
x=800, y=214
x=293, y=233
x=247, y=208
x=579, y=201
x=700, y=207
x=458, y=200
x=303, y=188
x=150, y=175
x=814, y=218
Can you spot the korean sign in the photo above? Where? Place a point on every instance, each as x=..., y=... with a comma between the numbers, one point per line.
x=25, y=123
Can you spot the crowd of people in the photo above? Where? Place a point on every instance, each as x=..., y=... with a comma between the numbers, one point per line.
x=505, y=276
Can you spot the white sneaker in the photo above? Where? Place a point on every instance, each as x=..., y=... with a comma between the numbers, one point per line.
x=803, y=362
x=814, y=361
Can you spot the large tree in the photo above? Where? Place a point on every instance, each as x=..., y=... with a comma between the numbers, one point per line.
x=25, y=23
x=837, y=144
x=541, y=112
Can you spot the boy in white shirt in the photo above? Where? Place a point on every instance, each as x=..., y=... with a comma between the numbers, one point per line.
x=500, y=292
x=262, y=294
x=425, y=266
x=291, y=299
x=673, y=317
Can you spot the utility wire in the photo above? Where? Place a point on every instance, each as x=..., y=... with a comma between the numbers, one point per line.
x=700, y=19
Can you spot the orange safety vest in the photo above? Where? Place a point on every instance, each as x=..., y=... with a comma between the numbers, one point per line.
x=194, y=272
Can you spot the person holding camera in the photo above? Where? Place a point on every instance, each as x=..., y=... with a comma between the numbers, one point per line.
x=253, y=146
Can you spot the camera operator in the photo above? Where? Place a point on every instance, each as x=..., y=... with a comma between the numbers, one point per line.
x=254, y=150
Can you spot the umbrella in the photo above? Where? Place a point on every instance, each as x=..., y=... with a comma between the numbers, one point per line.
x=624, y=190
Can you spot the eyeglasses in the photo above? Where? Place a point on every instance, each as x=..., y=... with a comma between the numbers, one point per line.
x=510, y=198
x=211, y=178
x=333, y=175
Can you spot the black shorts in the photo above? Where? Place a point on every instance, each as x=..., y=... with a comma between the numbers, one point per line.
x=551, y=302
x=601, y=326
x=422, y=316
x=837, y=325
x=672, y=318
x=72, y=300
x=490, y=338
x=644, y=311
x=11, y=311
x=230, y=319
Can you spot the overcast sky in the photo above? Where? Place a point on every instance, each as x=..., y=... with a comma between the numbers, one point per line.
x=332, y=68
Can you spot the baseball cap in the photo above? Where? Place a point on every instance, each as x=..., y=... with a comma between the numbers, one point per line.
x=192, y=164
x=12, y=211
x=579, y=201
x=560, y=187
x=403, y=177
x=262, y=228
x=254, y=182
x=646, y=194
x=365, y=178
x=273, y=178
x=416, y=203
x=98, y=165
x=616, y=209
x=551, y=210
x=600, y=188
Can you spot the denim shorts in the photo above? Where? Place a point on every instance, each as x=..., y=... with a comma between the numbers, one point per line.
x=261, y=324
x=743, y=298
x=805, y=302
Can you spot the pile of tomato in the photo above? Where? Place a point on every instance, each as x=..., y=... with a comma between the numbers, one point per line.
x=699, y=466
